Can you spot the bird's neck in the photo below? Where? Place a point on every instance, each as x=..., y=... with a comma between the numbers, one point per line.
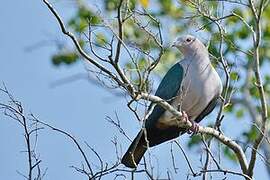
x=198, y=59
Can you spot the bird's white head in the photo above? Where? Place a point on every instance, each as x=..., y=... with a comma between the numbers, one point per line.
x=189, y=45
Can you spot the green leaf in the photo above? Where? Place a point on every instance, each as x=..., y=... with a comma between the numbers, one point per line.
x=213, y=49
x=101, y=39
x=111, y=5
x=243, y=33
x=239, y=113
x=81, y=20
x=234, y=76
x=66, y=58
x=229, y=108
x=195, y=140
x=229, y=153
x=142, y=64
x=251, y=134
x=254, y=92
x=166, y=5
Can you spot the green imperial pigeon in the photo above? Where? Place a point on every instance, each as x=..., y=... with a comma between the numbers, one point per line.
x=192, y=86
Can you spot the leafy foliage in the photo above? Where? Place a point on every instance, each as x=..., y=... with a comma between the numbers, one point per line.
x=251, y=134
x=229, y=154
x=66, y=58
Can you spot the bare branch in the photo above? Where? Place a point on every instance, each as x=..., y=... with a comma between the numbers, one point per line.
x=125, y=82
x=15, y=111
x=256, y=58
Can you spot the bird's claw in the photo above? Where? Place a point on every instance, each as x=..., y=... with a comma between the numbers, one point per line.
x=194, y=128
x=185, y=116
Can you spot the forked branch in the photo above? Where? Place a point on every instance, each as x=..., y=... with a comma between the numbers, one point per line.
x=137, y=95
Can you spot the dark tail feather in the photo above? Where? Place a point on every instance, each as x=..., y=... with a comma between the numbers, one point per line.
x=135, y=151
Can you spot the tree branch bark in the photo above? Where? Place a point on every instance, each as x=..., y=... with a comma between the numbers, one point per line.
x=256, y=41
x=125, y=83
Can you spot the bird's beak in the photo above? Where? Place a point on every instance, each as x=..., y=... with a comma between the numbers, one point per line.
x=174, y=44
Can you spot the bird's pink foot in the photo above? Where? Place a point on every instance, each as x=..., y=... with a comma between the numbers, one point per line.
x=194, y=128
x=185, y=116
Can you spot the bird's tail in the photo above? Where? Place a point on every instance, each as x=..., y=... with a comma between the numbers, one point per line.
x=135, y=151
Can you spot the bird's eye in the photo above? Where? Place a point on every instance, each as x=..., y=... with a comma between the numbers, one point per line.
x=188, y=39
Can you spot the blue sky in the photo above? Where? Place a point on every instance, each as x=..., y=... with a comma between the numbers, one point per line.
x=78, y=107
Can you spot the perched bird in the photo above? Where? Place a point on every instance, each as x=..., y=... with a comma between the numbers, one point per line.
x=192, y=86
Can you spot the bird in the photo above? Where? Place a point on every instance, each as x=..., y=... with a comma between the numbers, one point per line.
x=192, y=86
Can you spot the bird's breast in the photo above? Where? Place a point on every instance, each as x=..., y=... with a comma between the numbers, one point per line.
x=197, y=90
